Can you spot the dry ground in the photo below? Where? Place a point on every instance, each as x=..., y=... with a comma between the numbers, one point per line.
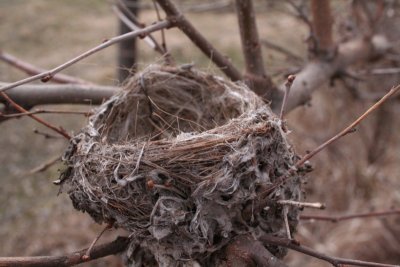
x=34, y=221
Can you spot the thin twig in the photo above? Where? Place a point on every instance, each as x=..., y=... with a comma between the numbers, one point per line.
x=149, y=39
x=335, y=261
x=179, y=20
x=46, y=76
x=75, y=258
x=288, y=85
x=87, y=255
x=338, y=218
x=316, y=205
x=45, y=135
x=48, y=125
x=342, y=133
x=33, y=70
x=163, y=39
x=42, y=167
x=47, y=111
x=289, y=54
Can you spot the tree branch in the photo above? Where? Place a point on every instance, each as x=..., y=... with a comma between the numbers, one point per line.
x=318, y=72
x=338, y=218
x=29, y=96
x=322, y=22
x=33, y=70
x=100, y=251
x=258, y=81
x=179, y=20
x=335, y=261
x=48, y=75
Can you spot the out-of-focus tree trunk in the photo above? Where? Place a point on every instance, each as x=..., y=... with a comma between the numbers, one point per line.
x=127, y=49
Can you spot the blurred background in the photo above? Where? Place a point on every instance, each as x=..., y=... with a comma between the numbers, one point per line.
x=360, y=173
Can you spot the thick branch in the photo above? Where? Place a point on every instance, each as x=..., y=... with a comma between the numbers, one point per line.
x=322, y=22
x=335, y=261
x=48, y=75
x=100, y=251
x=29, y=96
x=199, y=40
x=258, y=80
x=245, y=251
x=318, y=72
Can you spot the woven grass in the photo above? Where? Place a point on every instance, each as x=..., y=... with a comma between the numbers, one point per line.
x=175, y=158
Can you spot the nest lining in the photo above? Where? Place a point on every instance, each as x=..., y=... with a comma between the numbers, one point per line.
x=174, y=158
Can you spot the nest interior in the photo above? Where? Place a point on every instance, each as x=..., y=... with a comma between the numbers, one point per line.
x=175, y=158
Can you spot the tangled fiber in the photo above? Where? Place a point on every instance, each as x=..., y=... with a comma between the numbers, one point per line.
x=178, y=158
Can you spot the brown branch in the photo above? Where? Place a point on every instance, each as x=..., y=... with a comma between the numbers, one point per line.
x=60, y=131
x=316, y=73
x=177, y=19
x=335, y=261
x=338, y=218
x=48, y=75
x=46, y=111
x=100, y=251
x=322, y=22
x=33, y=70
x=245, y=251
x=288, y=85
x=258, y=81
x=29, y=95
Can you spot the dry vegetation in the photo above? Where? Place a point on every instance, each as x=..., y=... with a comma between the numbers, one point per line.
x=360, y=173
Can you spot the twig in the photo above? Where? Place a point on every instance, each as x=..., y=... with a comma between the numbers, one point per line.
x=131, y=24
x=33, y=70
x=45, y=135
x=179, y=20
x=342, y=133
x=251, y=47
x=302, y=204
x=100, y=251
x=289, y=54
x=338, y=218
x=285, y=218
x=46, y=111
x=42, y=167
x=46, y=76
x=87, y=255
x=335, y=261
x=163, y=40
x=48, y=125
x=288, y=85
x=31, y=95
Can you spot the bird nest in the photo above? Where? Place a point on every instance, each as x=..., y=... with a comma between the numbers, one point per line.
x=178, y=158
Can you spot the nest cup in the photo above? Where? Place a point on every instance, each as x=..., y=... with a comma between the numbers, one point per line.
x=178, y=158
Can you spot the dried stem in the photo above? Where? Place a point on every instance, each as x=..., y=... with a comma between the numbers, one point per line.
x=33, y=70
x=48, y=125
x=178, y=19
x=46, y=111
x=251, y=47
x=42, y=167
x=335, y=261
x=338, y=218
x=288, y=85
x=88, y=253
x=316, y=205
x=100, y=251
x=46, y=76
